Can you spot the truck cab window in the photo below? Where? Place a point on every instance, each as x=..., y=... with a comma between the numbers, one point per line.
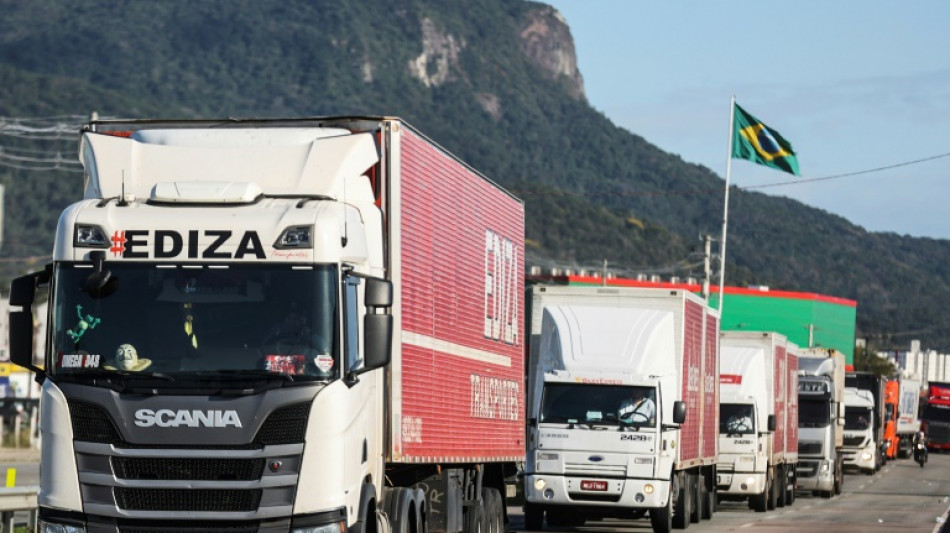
x=353, y=355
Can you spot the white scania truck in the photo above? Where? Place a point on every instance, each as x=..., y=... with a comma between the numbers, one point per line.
x=307, y=326
x=758, y=418
x=622, y=406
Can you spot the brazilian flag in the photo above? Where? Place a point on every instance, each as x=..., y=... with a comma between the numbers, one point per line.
x=753, y=140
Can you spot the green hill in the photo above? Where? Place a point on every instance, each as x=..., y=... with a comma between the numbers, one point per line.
x=493, y=81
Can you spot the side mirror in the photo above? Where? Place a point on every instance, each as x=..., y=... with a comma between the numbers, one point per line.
x=377, y=341
x=770, y=424
x=377, y=327
x=21, y=339
x=679, y=412
x=379, y=293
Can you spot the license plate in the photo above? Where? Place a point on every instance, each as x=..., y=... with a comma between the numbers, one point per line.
x=587, y=484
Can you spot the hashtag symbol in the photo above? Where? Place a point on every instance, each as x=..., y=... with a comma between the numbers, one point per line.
x=118, y=243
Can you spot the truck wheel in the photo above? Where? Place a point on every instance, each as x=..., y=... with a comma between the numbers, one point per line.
x=494, y=514
x=401, y=510
x=683, y=506
x=661, y=518
x=474, y=516
x=760, y=502
x=708, y=497
x=533, y=517
x=790, y=491
x=781, y=487
x=772, y=491
x=695, y=513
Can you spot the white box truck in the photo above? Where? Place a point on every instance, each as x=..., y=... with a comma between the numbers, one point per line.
x=908, y=418
x=622, y=406
x=306, y=325
x=821, y=421
x=758, y=418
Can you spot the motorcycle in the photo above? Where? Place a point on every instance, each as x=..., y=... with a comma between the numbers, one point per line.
x=920, y=453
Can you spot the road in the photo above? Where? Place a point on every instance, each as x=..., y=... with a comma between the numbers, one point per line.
x=901, y=497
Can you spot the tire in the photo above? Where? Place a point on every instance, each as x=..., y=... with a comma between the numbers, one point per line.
x=422, y=511
x=760, y=502
x=839, y=476
x=401, y=510
x=790, y=493
x=696, y=511
x=474, y=518
x=781, y=488
x=827, y=494
x=708, y=497
x=772, y=490
x=661, y=518
x=533, y=517
x=494, y=514
x=683, y=506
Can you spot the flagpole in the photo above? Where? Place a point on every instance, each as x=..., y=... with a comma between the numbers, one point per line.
x=725, y=208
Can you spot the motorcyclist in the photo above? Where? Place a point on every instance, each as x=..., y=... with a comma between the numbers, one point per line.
x=920, y=447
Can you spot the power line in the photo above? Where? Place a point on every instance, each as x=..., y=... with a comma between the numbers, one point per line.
x=716, y=191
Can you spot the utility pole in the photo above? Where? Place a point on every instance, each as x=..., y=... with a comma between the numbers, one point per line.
x=707, y=269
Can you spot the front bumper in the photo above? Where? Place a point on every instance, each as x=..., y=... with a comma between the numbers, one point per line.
x=862, y=458
x=815, y=474
x=559, y=490
x=740, y=483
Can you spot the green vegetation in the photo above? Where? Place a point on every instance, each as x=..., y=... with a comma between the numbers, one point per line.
x=592, y=191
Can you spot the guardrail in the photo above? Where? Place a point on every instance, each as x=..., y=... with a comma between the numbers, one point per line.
x=13, y=499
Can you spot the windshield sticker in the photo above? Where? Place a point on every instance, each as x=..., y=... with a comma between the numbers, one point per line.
x=78, y=360
x=293, y=365
x=324, y=362
x=85, y=323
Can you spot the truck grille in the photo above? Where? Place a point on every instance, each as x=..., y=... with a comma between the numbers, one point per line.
x=215, y=500
x=854, y=441
x=195, y=528
x=588, y=469
x=938, y=434
x=807, y=469
x=809, y=447
x=139, y=482
x=188, y=469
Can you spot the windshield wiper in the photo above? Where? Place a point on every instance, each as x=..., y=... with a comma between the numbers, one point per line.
x=239, y=374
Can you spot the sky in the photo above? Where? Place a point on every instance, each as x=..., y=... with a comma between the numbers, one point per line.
x=853, y=85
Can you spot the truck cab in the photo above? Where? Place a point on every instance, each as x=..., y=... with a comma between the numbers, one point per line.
x=820, y=423
x=860, y=446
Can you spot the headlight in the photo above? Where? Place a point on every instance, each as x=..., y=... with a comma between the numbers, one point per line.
x=824, y=466
x=865, y=456
x=648, y=488
x=336, y=527
x=539, y=484
x=547, y=456
x=55, y=527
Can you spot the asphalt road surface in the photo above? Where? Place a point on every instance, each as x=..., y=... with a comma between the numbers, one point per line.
x=901, y=497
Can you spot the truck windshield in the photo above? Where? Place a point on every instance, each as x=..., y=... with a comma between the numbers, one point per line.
x=736, y=419
x=598, y=405
x=857, y=418
x=178, y=320
x=937, y=413
x=813, y=413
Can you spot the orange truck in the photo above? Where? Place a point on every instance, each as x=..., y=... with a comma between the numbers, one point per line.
x=891, y=399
